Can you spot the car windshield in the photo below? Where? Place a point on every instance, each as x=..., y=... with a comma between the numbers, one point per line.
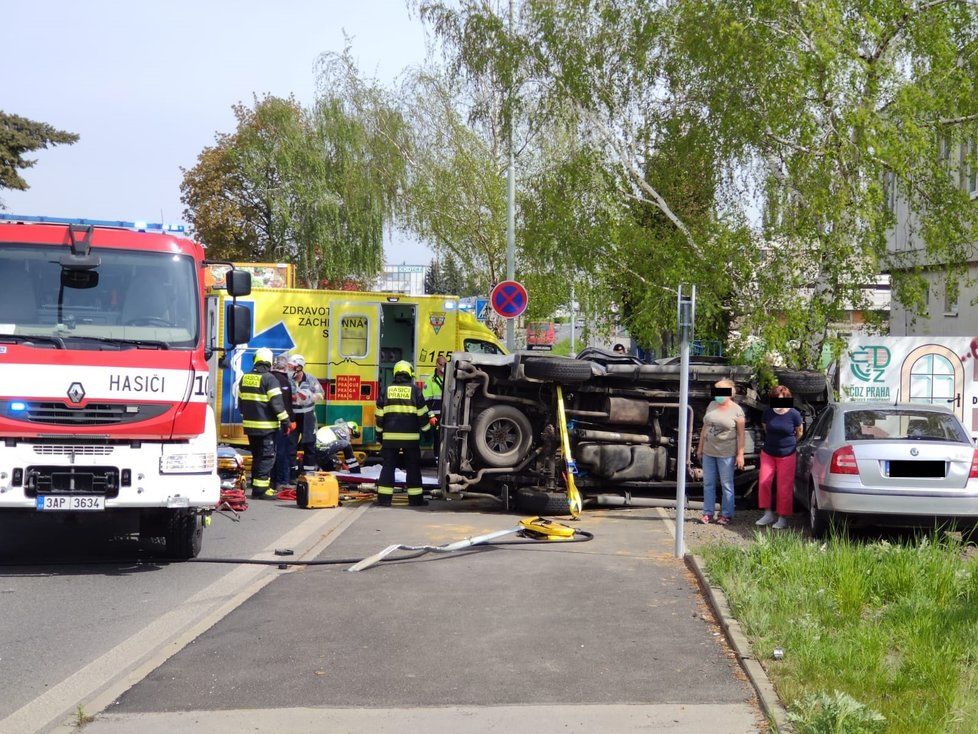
x=130, y=298
x=903, y=424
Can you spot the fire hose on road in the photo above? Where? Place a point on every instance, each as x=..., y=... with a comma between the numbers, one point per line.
x=530, y=531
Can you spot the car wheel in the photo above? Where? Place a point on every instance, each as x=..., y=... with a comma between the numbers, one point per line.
x=558, y=369
x=818, y=520
x=501, y=435
x=535, y=502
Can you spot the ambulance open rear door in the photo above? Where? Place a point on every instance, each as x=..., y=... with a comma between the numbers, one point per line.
x=354, y=361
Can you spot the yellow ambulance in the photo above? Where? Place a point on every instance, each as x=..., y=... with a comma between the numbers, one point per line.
x=351, y=341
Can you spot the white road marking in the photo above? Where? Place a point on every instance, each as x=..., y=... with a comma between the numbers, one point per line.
x=103, y=680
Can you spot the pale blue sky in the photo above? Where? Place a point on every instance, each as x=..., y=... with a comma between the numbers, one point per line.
x=147, y=83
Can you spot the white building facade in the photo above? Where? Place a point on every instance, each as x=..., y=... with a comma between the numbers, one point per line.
x=406, y=279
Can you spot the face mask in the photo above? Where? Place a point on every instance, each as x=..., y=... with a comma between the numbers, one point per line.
x=720, y=398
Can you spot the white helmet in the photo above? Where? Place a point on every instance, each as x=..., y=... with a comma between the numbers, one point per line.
x=297, y=360
x=263, y=355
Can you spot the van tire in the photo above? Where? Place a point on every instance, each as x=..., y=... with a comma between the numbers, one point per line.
x=536, y=502
x=558, y=369
x=501, y=436
x=802, y=382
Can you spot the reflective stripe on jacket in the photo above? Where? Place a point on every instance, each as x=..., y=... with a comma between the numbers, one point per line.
x=401, y=413
x=260, y=402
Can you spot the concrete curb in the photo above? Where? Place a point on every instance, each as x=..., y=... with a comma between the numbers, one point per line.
x=766, y=695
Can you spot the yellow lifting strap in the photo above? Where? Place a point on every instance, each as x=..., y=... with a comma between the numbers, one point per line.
x=573, y=496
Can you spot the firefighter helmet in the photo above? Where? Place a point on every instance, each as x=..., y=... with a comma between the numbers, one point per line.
x=263, y=355
x=404, y=367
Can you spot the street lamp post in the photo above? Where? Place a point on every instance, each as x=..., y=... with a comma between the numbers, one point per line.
x=686, y=308
x=510, y=203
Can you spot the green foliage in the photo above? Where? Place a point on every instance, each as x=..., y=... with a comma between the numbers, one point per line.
x=835, y=713
x=446, y=277
x=455, y=196
x=824, y=103
x=20, y=136
x=314, y=187
x=890, y=625
x=663, y=128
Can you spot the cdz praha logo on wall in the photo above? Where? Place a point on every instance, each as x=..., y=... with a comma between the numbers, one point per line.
x=869, y=362
x=437, y=320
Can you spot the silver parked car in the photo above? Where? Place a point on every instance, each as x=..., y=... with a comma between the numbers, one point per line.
x=886, y=464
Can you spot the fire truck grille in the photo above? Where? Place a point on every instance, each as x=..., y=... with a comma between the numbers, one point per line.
x=93, y=414
x=102, y=480
x=72, y=450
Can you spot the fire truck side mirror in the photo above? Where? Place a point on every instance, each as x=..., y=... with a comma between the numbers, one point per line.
x=238, y=324
x=238, y=283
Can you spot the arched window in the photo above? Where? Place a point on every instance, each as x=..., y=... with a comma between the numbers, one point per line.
x=932, y=380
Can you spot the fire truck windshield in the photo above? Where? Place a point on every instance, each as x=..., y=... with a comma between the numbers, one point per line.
x=138, y=298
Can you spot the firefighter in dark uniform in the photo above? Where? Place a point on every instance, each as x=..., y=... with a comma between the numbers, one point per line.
x=401, y=417
x=284, y=458
x=263, y=415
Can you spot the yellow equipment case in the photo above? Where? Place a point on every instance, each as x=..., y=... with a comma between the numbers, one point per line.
x=317, y=490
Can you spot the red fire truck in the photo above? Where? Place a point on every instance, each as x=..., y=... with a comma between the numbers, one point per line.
x=105, y=391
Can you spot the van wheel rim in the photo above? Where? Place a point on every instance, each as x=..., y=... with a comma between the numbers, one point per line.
x=502, y=436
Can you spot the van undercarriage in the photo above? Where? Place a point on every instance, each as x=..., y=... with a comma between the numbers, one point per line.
x=499, y=432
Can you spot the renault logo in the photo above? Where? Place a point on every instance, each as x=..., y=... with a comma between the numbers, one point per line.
x=76, y=393
x=914, y=451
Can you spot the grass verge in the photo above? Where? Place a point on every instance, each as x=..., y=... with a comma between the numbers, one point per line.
x=876, y=636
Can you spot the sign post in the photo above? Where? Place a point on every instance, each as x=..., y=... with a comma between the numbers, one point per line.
x=509, y=299
x=686, y=307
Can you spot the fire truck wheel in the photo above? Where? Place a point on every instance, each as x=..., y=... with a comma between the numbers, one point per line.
x=184, y=535
x=501, y=435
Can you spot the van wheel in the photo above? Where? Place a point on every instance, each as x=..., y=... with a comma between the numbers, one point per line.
x=535, y=502
x=184, y=535
x=501, y=435
x=818, y=520
x=558, y=369
x=802, y=382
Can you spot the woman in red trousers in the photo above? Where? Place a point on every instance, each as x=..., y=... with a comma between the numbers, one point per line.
x=782, y=429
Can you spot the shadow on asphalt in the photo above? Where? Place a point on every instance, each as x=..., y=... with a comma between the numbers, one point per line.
x=39, y=549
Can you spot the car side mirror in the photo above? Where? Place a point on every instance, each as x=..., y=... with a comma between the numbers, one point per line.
x=238, y=283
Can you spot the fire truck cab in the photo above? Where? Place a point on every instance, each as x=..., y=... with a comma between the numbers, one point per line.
x=105, y=394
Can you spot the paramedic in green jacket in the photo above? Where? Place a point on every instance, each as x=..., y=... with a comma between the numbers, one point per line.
x=433, y=390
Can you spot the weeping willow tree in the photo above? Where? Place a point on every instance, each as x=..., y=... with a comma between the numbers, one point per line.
x=312, y=186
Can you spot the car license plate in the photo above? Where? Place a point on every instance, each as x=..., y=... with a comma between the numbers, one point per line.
x=56, y=503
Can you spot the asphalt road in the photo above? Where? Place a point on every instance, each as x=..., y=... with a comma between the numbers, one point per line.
x=57, y=617
x=611, y=622
x=606, y=635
